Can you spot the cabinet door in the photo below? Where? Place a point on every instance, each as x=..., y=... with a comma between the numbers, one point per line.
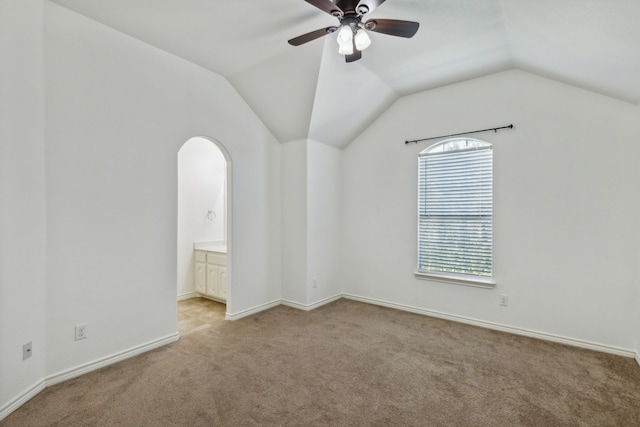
x=201, y=278
x=222, y=284
x=213, y=280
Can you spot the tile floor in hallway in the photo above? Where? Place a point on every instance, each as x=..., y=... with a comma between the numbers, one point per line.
x=195, y=314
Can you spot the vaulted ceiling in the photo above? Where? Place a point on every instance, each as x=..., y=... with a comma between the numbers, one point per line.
x=310, y=92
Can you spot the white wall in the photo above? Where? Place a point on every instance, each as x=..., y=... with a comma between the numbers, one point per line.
x=117, y=112
x=566, y=208
x=22, y=198
x=311, y=218
x=202, y=180
x=637, y=296
x=294, y=222
x=324, y=220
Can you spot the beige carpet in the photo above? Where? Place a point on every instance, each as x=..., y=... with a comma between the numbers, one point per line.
x=344, y=364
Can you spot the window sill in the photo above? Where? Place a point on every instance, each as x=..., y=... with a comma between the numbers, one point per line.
x=477, y=282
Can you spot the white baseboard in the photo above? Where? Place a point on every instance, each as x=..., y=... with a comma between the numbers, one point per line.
x=110, y=360
x=187, y=295
x=252, y=310
x=499, y=327
x=134, y=351
x=461, y=319
x=83, y=369
x=275, y=303
x=21, y=399
x=312, y=306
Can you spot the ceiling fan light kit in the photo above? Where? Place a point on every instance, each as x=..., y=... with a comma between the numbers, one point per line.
x=352, y=38
x=361, y=39
x=345, y=40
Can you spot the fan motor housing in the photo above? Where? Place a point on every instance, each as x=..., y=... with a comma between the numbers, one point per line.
x=350, y=6
x=350, y=19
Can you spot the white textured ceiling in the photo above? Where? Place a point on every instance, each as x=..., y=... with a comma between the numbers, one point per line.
x=310, y=92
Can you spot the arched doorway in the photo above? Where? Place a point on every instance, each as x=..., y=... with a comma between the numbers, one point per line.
x=204, y=221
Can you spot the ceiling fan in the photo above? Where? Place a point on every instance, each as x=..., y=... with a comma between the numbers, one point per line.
x=352, y=37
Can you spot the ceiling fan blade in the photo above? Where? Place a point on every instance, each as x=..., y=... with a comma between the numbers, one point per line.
x=327, y=6
x=297, y=41
x=371, y=4
x=354, y=56
x=393, y=27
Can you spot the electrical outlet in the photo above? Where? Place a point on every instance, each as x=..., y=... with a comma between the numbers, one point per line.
x=504, y=300
x=82, y=331
x=26, y=351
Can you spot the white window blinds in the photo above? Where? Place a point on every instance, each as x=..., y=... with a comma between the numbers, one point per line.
x=455, y=208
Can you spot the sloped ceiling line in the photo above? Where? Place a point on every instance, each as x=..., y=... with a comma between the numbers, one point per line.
x=308, y=91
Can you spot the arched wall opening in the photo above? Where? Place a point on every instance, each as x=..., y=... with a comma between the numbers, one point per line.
x=204, y=217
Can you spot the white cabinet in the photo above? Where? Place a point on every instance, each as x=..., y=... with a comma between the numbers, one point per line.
x=211, y=274
x=201, y=272
x=213, y=280
x=222, y=274
x=201, y=278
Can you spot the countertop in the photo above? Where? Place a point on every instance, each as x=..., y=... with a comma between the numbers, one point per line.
x=211, y=248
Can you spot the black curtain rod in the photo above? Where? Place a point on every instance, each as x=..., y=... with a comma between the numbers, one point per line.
x=458, y=134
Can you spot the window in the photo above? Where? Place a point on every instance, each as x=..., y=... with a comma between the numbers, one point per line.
x=455, y=211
